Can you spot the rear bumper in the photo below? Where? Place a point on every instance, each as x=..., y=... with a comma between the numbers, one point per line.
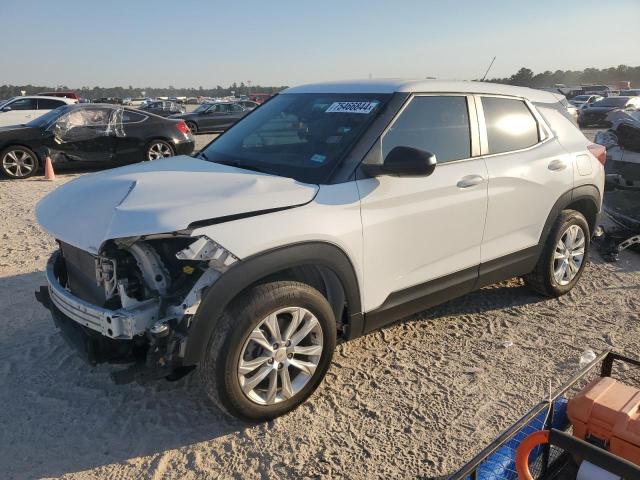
x=185, y=148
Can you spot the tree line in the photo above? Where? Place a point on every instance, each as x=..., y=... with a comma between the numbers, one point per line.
x=523, y=77
x=606, y=76
x=7, y=91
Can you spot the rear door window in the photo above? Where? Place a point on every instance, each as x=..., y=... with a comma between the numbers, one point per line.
x=436, y=124
x=510, y=124
x=49, y=104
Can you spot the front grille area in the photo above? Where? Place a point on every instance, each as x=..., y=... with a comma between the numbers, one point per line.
x=81, y=274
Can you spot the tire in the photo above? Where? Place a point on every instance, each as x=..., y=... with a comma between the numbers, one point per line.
x=18, y=162
x=193, y=127
x=544, y=278
x=157, y=149
x=233, y=341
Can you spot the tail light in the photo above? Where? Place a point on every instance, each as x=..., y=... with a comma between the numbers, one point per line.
x=183, y=128
x=599, y=152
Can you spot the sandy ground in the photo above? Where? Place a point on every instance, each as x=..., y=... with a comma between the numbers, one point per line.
x=416, y=399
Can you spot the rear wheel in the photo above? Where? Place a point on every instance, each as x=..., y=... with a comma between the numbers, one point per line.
x=159, y=149
x=18, y=162
x=563, y=257
x=193, y=127
x=270, y=350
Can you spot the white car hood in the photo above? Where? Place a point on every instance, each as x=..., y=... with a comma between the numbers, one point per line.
x=159, y=197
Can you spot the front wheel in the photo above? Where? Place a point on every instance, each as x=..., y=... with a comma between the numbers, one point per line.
x=18, y=162
x=270, y=350
x=563, y=257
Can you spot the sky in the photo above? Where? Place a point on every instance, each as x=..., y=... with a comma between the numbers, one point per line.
x=192, y=43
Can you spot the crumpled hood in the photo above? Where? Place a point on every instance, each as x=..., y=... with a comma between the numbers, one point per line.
x=158, y=197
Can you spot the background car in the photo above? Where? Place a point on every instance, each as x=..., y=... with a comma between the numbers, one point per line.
x=580, y=101
x=20, y=110
x=71, y=95
x=259, y=97
x=112, y=100
x=596, y=113
x=163, y=108
x=248, y=104
x=631, y=92
x=91, y=135
x=213, y=117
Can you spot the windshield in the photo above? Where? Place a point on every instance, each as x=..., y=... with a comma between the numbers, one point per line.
x=611, y=102
x=302, y=136
x=4, y=102
x=47, y=118
x=202, y=107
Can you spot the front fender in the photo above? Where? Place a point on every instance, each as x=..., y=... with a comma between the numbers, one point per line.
x=252, y=269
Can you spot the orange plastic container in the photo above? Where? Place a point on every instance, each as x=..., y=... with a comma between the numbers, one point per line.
x=608, y=412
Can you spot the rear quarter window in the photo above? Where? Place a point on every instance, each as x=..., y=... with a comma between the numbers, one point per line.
x=510, y=124
x=132, y=117
x=49, y=104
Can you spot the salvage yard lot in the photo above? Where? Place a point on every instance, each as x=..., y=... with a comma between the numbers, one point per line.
x=418, y=398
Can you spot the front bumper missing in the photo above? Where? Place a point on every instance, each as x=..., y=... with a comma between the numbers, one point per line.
x=112, y=336
x=116, y=324
x=92, y=347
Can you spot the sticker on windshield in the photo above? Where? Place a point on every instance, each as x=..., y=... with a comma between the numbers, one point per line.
x=318, y=158
x=351, y=107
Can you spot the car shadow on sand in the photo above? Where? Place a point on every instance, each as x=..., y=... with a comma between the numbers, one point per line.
x=59, y=415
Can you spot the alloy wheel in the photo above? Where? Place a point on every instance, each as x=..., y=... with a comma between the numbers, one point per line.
x=569, y=255
x=280, y=355
x=18, y=163
x=159, y=150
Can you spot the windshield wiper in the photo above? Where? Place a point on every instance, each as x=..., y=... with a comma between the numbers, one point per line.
x=239, y=165
x=202, y=155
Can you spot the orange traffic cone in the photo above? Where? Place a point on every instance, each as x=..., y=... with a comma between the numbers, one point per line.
x=49, y=174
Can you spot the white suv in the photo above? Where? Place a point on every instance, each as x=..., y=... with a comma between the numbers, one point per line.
x=20, y=110
x=330, y=211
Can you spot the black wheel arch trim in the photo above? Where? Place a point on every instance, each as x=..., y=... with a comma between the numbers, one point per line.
x=583, y=192
x=247, y=271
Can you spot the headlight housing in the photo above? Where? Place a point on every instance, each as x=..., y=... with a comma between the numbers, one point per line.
x=206, y=250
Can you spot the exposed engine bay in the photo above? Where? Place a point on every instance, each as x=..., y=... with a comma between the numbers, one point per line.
x=135, y=299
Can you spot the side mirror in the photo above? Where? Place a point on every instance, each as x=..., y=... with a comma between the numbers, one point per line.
x=404, y=162
x=6, y=109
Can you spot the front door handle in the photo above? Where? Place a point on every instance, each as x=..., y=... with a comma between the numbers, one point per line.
x=470, y=181
x=556, y=165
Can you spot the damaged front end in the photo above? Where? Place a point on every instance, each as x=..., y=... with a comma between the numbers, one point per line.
x=134, y=301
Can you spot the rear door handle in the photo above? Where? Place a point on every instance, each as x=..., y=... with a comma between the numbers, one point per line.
x=470, y=181
x=556, y=165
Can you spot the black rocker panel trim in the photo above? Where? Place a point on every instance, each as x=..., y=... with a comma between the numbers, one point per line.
x=250, y=270
x=415, y=299
x=513, y=265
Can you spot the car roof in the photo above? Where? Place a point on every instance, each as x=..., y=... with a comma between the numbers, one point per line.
x=423, y=86
x=69, y=101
